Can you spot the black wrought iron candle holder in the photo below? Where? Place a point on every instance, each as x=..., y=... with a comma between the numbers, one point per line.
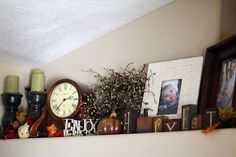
x=35, y=100
x=11, y=103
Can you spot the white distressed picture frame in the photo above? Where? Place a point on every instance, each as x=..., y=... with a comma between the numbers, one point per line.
x=189, y=70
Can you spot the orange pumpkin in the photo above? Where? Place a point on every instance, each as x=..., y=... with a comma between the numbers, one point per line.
x=109, y=125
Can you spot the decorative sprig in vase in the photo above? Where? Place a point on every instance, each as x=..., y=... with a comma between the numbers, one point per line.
x=117, y=91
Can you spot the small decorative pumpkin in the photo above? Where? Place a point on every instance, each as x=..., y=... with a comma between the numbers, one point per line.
x=109, y=125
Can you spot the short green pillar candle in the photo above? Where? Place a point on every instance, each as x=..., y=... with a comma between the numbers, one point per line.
x=12, y=84
x=37, y=80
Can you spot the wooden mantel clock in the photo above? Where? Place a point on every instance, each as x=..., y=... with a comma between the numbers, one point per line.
x=64, y=100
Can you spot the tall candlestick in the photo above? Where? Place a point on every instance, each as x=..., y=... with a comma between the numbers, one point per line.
x=12, y=84
x=11, y=102
x=37, y=80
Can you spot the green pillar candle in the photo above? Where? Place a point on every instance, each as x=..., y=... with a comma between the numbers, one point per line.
x=37, y=80
x=12, y=84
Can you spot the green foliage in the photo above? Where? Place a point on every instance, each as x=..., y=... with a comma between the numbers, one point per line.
x=227, y=114
x=117, y=91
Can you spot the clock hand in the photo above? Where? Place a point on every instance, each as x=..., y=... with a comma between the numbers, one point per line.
x=64, y=99
x=60, y=104
x=70, y=97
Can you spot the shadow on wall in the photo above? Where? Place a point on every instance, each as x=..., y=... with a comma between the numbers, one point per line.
x=228, y=16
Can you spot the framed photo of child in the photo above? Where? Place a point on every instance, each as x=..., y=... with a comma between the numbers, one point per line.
x=227, y=84
x=172, y=84
x=218, y=86
x=169, y=98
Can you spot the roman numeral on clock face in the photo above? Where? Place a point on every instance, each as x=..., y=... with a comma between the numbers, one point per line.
x=59, y=88
x=74, y=106
x=65, y=86
x=64, y=113
x=54, y=107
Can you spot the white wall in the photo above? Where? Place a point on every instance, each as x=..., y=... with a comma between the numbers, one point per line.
x=228, y=16
x=184, y=28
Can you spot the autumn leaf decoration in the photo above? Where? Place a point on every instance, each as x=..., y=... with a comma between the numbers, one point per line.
x=53, y=131
x=21, y=116
x=225, y=115
x=211, y=128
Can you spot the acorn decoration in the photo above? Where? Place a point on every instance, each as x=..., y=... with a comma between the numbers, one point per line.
x=110, y=125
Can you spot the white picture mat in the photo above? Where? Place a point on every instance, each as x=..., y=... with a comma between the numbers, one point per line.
x=189, y=70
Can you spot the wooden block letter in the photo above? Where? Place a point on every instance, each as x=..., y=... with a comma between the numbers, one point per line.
x=196, y=123
x=172, y=125
x=187, y=112
x=158, y=123
x=129, y=122
x=210, y=117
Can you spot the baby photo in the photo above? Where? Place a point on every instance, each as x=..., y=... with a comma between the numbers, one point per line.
x=226, y=90
x=169, y=98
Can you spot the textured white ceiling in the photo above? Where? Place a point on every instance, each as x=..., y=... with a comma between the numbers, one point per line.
x=35, y=32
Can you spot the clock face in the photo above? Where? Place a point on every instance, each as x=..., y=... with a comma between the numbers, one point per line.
x=64, y=99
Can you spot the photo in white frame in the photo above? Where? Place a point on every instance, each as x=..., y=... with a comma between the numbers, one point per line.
x=172, y=84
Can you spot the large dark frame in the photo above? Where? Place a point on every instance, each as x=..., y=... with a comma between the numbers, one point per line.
x=215, y=56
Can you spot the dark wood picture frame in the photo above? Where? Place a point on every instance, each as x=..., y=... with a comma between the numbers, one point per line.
x=211, y=75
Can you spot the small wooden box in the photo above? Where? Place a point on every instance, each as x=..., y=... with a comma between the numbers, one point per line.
x=172, y=125
x=144, y=124
x=188, y=111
